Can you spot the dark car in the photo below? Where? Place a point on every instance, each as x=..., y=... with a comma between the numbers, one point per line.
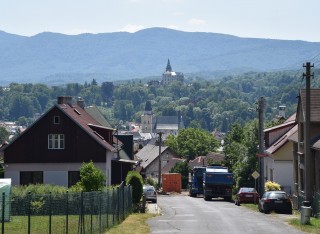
x=278, y=201
x=246, y=195
x=150, y=193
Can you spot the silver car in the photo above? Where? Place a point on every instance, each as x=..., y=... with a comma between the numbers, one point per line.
x=150, y=193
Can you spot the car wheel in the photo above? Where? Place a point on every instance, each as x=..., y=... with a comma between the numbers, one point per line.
x=266, y=211
x=207, y=198
x=259, y=208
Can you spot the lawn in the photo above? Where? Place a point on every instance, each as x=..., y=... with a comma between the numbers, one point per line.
x=134, y=223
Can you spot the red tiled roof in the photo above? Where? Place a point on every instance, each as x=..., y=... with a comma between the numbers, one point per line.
x=314, y=104
x=202, y=160
x=84, y=120
x=284, y=139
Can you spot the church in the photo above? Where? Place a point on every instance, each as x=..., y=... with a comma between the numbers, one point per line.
x=168, y=125
x=170, y=76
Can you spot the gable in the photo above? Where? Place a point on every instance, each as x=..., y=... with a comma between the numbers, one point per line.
x=80, y=144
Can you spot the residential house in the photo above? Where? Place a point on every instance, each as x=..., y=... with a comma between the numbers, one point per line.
x=52, y=150
x=204, y=161
x=278, y=165
x=148, y=157
x=307, y=160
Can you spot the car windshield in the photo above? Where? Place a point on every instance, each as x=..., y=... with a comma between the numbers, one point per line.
x=149, y=188
x=247, y=190
x=278, y=196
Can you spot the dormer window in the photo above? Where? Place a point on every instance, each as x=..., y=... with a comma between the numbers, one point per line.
x=56, y=119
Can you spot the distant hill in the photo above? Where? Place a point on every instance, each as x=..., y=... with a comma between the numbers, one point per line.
x=53, y=58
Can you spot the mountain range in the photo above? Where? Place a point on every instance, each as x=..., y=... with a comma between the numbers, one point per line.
x=54, y=58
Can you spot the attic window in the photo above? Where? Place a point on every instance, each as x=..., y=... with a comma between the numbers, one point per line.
x=75, y=110
x=56, y=119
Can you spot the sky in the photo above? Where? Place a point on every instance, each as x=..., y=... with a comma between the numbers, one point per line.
x=273, y=19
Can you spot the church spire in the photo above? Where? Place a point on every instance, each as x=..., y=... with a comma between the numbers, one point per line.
x=168, y=68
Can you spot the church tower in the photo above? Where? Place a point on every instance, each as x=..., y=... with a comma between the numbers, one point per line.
x=148, y=119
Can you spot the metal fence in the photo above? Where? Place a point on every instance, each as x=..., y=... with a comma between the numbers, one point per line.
x=86, y=212
x=316, y=205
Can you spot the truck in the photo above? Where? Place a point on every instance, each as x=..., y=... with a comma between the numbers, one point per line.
x=196, y=181
x=217, y=182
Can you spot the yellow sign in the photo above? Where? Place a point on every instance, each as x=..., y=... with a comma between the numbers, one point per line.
x=255, y=175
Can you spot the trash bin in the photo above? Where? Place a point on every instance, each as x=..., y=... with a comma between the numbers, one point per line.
x=305, y=212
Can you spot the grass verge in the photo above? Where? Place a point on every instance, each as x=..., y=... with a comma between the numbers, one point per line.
x=134, y=223
x=313, y=227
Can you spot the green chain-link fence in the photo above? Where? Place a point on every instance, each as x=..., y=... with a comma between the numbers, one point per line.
x=86, y=212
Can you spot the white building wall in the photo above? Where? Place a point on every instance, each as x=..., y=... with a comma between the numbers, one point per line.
x=53, y=173
x=283, y=174
x=15, y=177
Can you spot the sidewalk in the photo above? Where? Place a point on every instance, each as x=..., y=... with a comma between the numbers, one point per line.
x=153, y=208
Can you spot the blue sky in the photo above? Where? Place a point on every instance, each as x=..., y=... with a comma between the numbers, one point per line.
x=276, y=19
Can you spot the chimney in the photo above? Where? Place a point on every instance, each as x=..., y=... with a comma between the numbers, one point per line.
x=65, y=100
x=80, y=102
x=282, y=111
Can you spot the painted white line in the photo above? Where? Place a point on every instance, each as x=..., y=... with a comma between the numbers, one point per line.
x=175, y=220
x=185, y=215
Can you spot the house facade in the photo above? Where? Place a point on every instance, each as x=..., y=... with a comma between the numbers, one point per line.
x=306, y=166
x=52, y=150
x=279, y=160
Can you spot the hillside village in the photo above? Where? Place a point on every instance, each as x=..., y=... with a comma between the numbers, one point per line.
x=53, y=148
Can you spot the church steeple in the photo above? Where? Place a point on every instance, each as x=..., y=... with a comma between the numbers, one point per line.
x=168, y=68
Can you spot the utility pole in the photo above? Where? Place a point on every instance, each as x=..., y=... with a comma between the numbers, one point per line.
x=308, y=164
x=260, y=109
x=159, y=169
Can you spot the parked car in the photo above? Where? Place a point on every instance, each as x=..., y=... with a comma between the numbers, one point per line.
x=246, y=195
x=150, y=193
x=278, y=201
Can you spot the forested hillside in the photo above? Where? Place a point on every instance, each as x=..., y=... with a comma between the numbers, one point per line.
x=201, y=103
x=54, y=59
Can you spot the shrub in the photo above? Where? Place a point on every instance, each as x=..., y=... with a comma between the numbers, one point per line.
x=151, y=181
x=271, y=186
x=135, y=180
x=91, y=178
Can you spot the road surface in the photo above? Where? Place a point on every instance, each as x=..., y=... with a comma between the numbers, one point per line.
x=184, y=214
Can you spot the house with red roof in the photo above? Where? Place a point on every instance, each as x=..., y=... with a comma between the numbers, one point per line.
x=278, y=162
x=52, y=150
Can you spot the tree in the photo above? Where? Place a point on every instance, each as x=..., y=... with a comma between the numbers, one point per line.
x=4, y=135
x=135, y=180
x=182, y=168
x=91, y=178
x=192, y=142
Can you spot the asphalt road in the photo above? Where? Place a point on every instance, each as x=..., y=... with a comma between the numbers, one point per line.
x=184, y=214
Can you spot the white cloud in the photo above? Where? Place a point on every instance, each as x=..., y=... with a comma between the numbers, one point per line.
x=194, y=21
x=132, y=28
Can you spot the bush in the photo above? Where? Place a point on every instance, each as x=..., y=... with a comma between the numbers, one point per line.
x=91, y=178
x=271, y=186
x=151, y=181
x=135, y=180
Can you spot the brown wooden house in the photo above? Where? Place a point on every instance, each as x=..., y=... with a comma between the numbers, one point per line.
x=52, y=150
x=307, y=167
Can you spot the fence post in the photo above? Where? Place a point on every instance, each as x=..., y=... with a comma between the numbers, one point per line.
x=123, y=203
x=67, y=212
x=113, y=206
x=91, y=210
x=81, y=212
x=29, y=212
x=50, y=212
x=100, y=204
x=3, y=207
x=118, y=204
x=108, y=208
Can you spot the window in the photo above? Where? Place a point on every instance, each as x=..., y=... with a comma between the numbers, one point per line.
x=55, y=141
x=56, y=119
x=73, y=177
x=31, y=177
